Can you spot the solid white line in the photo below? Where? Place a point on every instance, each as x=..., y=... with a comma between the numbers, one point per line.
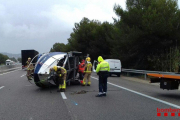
x=1, y=87
x=23, y=75
x=155, y=99
x=63, y=95
x=9, y=72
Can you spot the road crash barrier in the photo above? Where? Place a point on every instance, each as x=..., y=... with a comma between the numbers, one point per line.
x=6, y=68
x=134, y=72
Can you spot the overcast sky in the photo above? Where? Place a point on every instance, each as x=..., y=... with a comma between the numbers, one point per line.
x=38, y=24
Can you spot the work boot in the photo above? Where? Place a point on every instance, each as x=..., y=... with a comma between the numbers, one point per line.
x=59, y=90
x=62, y=90
x=99, y=95
x=88, y=84
x=104, y=94
x=29, y=78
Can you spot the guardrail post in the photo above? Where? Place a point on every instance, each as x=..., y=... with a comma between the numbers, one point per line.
x=145, y=76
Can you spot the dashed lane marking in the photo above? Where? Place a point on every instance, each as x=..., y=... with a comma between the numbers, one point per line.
x=1, y=87
x=23, y=75
x=144, y=95
x=63, y=95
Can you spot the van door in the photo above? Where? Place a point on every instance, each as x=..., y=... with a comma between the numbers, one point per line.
x=95, y=63
x=117, y=64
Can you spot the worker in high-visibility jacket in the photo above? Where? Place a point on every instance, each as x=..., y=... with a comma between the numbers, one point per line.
x=30, y=68
x=61, y=77
x=88, y=70
x=81, y=69
x=102, y=70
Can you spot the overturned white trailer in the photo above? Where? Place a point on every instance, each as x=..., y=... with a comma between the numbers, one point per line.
x=46, y=61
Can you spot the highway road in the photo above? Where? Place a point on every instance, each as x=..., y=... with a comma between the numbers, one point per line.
x=127, y=99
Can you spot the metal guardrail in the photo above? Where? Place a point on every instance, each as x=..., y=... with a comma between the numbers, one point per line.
x=146, y=71
x=2, y=65
x=5, y=68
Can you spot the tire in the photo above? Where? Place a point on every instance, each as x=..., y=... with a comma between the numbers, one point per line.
x=118, y=75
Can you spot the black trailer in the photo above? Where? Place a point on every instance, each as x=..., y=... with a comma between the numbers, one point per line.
x=25, y=54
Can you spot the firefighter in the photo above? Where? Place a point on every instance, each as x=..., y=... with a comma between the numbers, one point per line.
x=81, y=69
x=29, y=68
x=61, y=77
x=88, y=70
x=102, y=70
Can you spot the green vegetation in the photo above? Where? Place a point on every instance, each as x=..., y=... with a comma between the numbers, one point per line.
x=13, y=59
x=3, y=58
x=145, y=36
x=19, y=59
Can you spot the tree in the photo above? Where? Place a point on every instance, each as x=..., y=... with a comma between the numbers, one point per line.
x=58, y=47
x=147, y=28
x=91, y=37
x=3, y=58
x=13, y=59
x=19, y=59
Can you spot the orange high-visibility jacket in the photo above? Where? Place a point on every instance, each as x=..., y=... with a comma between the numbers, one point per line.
x=81, y=67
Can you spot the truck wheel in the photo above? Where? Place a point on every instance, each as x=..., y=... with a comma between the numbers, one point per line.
x=118, y=75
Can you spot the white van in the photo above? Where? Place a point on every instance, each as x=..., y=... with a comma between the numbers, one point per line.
x=115, y=66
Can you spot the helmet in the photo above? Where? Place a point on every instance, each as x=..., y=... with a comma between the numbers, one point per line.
x=55, y=68
x=29, y=58
x=88, y=59
x=100, y=59
x=82, y=61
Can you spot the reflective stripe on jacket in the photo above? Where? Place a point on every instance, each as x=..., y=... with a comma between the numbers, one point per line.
x=103, y=66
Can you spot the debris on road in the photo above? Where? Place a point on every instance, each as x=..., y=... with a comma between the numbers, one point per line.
x=79, y=92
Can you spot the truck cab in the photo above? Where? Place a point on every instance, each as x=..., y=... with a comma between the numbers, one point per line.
x=9, y=62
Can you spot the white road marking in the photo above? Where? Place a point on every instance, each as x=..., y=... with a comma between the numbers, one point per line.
x=9, y=72
x=1, y=87
x=63, y=95
x=23, y=75
x=155, y=99
x=11, y=69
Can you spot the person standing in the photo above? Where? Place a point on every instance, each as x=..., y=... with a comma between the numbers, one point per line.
x=81, y=69
x=88, y=70
x=30, y=68
x=102, y=70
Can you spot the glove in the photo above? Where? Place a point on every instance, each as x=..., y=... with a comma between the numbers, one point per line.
x=60, y=75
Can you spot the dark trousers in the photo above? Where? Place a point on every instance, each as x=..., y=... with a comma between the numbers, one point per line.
x=103, y=82
x=81, y=75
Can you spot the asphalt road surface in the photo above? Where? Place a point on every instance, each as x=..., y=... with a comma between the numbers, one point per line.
x=127, y=99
